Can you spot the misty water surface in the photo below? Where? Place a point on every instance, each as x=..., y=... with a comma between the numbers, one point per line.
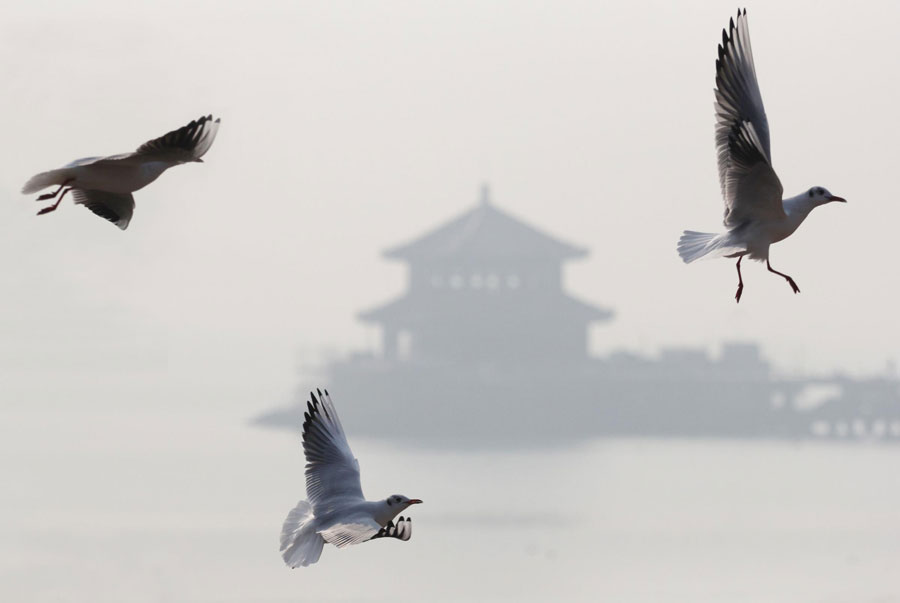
x=144, y=505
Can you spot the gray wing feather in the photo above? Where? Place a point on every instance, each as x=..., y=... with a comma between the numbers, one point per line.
x=82, y=162
x=187, y=143
x=115, y=207
x=750, y=186
x=353, y=531
x=332, y=472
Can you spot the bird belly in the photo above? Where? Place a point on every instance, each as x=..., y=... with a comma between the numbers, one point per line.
x=779, y=231
x=117, y=177
x=758, y=236
x=758, y=253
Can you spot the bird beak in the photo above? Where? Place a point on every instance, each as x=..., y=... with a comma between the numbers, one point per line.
x=833, y=198
x=415, y=501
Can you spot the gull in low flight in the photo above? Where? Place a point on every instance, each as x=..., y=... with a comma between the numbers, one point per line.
x=104, y=184
x=755, y=215
x=336, y=511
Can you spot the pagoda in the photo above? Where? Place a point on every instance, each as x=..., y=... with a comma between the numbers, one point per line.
x=485, y=288
x=485, y=348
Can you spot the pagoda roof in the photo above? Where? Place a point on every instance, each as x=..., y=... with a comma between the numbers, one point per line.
x=411, y=310
x=483, y=232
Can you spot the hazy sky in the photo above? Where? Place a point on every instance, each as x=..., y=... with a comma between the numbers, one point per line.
x=350, y=127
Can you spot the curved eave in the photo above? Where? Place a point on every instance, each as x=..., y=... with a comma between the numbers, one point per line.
x=589, y=312
x=392, y=311
x=411, y=253
x=409, y=311
x=485, y=232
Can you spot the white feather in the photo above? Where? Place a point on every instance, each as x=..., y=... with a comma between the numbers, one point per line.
x=301, y=544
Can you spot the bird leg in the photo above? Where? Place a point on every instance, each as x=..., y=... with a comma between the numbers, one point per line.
x=46, y=196
x=737, y=296
x=783, y=275
x=53, y=207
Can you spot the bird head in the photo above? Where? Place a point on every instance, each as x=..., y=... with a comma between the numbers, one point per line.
x=398, y=502
x=820, y=196
x=391, y=506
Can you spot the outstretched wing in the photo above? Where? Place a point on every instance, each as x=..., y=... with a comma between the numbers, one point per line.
x=332, y=472
x=115, y=207
x=401, y=531
x=188, y=143
x=750, y=186
x=353, y=530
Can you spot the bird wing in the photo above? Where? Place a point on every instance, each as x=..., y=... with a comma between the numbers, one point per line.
x=353, y=530
x=115, y=207
x=401, y=531
x=332, y=472
x=751, y=189
x=83, y=162
x=187, y=143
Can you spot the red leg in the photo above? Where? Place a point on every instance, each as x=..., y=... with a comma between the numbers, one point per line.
x=783, y=275
x=46, y=196
x=737, y=296
x=53, y=207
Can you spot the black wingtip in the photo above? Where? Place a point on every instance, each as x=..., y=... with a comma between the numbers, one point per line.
x=320, y=401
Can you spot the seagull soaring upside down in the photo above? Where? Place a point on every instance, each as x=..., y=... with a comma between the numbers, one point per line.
x=755, y=214
x=336, y=511
x=104, y=184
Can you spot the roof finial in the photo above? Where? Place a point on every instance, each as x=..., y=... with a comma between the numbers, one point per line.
x=485, y=193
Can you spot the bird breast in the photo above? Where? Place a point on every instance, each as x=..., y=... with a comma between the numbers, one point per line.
x=766, y=232
x=118, y=176
x=782, y=229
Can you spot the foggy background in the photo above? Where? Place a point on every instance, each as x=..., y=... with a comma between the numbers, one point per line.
x=130, y=361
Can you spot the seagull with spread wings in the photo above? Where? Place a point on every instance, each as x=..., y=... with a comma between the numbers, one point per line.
x=336, y=510
x=104, y=184
x=755, y=215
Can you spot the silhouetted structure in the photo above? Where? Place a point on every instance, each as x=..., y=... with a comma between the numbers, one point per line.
x=485, y=288
x=485, y=347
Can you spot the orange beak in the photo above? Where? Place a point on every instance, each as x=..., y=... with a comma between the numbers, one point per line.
x=833, y=198
x=415, y=501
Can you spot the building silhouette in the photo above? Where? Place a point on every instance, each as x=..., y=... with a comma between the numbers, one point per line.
x=486, y=348
x=485, y=288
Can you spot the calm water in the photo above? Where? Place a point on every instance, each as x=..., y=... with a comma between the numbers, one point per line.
x=186, y=506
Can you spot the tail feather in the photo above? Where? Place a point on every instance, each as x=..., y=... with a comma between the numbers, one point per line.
x=695, y=245
x=45, y=179
x=301, y=545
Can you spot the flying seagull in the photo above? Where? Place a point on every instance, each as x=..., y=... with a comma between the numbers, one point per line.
x=336, y=511
x=104, y=184
x=755, y=215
